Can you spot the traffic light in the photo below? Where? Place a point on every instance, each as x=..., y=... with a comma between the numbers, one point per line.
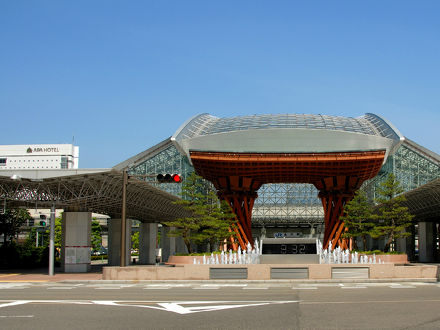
x=169, y=178
x=42, y=220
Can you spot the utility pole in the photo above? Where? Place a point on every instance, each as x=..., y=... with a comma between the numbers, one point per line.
x=123, y=219
x=52, y=241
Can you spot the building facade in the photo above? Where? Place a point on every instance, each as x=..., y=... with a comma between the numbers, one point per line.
x=288, y=209
x=39, y=156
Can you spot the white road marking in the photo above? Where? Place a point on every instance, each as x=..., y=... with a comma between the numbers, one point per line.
x=61, y=288
x=304, y=288
x=416, y=301
x=255, y=288
x=16, y=286
x=179, y=307
x=223, y=285
x=158, y=288
x=402, y=286
x=15, y=316
x=353, y=287
x=14, y=303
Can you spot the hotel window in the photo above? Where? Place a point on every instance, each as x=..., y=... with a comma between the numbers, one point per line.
x=64, y=162
x=2, y=161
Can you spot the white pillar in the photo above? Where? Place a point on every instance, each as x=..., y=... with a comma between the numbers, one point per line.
x=52, y=242
x=401, y=244
x=180, y=245
x=168, y=244
x=426, y=241
x=147, y=243
x=114, y=241
x=76, y=244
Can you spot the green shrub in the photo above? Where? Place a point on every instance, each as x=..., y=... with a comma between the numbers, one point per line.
x=23, y=256
x=103, y=256
x=377, y=252
x=199, y=254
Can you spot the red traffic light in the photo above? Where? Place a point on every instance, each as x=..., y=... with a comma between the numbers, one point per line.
x=169, y=178
x=177, y=178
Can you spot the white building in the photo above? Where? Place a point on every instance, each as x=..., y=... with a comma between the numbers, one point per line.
x=39, y=156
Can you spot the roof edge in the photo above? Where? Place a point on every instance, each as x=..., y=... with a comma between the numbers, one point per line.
x=134, y=160
x=425, y=151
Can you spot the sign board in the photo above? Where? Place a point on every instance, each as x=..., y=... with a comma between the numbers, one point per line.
x=289, y=246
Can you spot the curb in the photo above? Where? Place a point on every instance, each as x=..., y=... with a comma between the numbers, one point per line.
x=272, y=282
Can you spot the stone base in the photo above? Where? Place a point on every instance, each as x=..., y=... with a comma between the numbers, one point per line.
x=292, y=259
x=266, y=271
x=77, y=268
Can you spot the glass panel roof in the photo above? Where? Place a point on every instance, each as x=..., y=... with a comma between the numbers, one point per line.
x=206, y=124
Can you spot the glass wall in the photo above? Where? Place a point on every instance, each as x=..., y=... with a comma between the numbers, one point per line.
x=287, y=203
x=276, y=204
x=168, y=160
x=411, y=167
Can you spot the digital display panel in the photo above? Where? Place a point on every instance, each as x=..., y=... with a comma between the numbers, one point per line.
x=289, y=248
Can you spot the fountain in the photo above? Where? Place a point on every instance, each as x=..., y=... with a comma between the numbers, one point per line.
x=241, y=257
x=339, y=256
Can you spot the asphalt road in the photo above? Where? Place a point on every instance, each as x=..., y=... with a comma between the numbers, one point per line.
x=224, y=306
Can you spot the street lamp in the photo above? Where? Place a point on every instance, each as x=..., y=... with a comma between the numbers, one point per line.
x=123, y=218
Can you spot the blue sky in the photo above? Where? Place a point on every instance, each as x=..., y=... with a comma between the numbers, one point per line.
x=121, y=76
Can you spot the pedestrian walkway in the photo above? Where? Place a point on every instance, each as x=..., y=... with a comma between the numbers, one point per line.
x=42, y=275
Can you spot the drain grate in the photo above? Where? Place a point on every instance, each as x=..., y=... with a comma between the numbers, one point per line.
x=228, y=273
x=350, y=272
x=289, y=273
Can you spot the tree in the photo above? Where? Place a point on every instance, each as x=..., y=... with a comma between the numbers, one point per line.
x=392, y=218
x=222, y=227
x=358, y=219
x=44, y=234
x=135, y=240
x=11, y=221
x=217, y=221
x=208, y=220
x=58, y=232
x=96, y=230
x=193, y=199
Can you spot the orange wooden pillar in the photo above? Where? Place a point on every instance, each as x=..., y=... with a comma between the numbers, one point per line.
x=335, y=192
x=240, y=193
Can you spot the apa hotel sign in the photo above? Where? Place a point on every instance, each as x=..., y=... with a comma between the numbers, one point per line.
x=40, y=149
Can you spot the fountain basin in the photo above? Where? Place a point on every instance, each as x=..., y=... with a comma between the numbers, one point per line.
x=324, y=272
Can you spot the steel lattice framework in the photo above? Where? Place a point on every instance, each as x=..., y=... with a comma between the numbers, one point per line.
x=424, y=202
x=277, y=204
x=96, y=192
x=287, y=203
x=412, y=165
x=165, y=160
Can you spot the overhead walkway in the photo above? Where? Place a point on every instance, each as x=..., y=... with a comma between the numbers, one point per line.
x=81, y=192
x=424, y=204
x=92, y=190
